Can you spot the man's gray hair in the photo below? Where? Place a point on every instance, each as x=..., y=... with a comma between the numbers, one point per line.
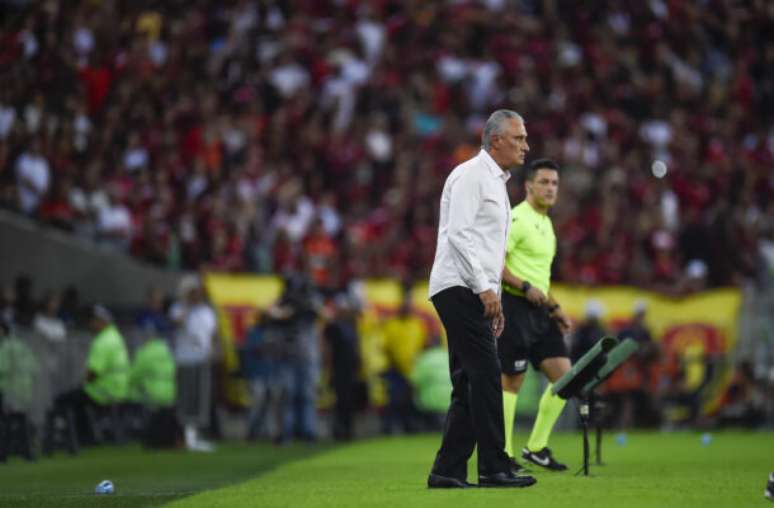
x=495, y=124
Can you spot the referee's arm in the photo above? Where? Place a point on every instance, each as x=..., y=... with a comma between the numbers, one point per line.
x=536, y=296
x=531, y=293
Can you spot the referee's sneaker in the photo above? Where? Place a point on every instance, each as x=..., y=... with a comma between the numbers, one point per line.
x=769, y=492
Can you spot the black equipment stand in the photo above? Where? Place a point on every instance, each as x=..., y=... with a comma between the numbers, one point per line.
x=583, y=412
x=588, y=409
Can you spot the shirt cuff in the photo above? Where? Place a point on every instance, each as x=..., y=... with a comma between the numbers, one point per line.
x=483, y=285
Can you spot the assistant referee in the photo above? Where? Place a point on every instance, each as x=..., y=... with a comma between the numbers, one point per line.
x=535, y=324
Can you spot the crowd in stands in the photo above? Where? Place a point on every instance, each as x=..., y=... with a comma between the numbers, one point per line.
x=241, y=135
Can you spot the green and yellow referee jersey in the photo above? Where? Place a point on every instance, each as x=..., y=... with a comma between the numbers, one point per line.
x=530, y=248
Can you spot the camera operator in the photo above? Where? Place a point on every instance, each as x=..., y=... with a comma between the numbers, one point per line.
x=293, y=321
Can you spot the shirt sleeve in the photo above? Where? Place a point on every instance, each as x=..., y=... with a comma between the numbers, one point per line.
x=464, y=203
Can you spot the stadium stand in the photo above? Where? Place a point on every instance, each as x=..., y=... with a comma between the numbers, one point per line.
x=247, y=136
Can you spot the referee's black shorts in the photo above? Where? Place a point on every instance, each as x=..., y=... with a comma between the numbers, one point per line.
x=530, y=334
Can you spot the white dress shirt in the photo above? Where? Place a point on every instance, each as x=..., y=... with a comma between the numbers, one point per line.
x=33, y=169
x=195, y=336
x=473, y=227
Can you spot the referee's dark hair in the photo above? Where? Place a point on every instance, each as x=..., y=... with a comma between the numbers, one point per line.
x=537, y=164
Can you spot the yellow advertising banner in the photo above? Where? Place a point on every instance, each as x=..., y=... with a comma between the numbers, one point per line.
x=705, y=322
x=695, y=328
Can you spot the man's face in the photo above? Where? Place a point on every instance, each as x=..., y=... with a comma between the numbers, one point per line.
x=544, y=187
x=194, y=295
x=512, y=145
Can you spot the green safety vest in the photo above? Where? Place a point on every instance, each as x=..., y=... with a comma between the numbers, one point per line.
x=19, y=370
x=430, y=377
x=109, y=360
x=152, y=375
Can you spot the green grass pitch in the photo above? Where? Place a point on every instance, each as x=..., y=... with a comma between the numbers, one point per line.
x=649, y=470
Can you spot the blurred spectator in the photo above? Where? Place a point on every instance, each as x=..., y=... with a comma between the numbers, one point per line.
x=19, y=372
x=631, y=389
x=590, y=330
x=296, y=313
x=743, y=402
x=70, y=311
x=152, y=384
x=24, y=303
x=107, y=374
x=431, y=384
x=107, y=378
x=152, y=375
x=341, y=335
x=47, y=322
x=319, y=250
x=688, y=373
x=152, y=319
x=33, y=177
x=7, y=305
x=114, y=223
x=334, y=116
x=404, y=336
x=194, y=337
x=263, y=352
x=56, y=209
x=695, y=277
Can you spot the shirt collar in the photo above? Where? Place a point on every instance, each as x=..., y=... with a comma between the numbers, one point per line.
x=494, y=168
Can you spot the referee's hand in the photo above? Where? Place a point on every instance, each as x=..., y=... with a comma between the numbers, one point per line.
x=492, y=305
x=536, y=297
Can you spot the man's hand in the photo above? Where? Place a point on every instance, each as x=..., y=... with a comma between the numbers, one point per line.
x=492, y=305
x=536, y=296
x=565, y=325
x=498, y=325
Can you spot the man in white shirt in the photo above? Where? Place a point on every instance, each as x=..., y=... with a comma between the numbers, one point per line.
x=194, y=339
x=465, y=290
x=32, y=178
x=114, y=222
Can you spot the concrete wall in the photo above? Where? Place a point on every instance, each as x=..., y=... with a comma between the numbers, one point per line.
x=55, y=260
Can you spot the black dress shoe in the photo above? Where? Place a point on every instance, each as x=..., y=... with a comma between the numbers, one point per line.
x=436, y=481
x=505, y=480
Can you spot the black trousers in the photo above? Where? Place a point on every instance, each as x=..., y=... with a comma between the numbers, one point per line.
x=475, y=416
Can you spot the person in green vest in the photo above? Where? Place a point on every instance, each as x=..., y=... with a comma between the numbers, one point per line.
x=19, y=377
x=153, y=385
x=19, y=369
x=152, y=375
x=431, y=384
x=107, y=373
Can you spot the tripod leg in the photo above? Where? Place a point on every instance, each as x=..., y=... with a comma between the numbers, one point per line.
x=583, y=411
x=585, y=448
